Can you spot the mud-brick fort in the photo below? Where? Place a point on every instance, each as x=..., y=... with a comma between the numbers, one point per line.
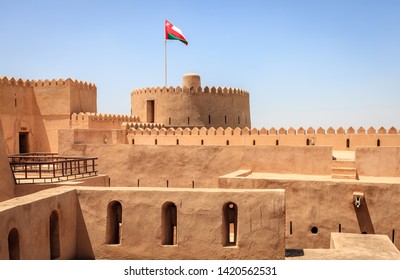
x=185, y=176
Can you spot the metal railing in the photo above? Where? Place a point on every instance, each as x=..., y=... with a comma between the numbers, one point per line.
x=50, y=168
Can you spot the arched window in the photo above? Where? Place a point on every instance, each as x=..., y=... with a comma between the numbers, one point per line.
x=54, y=235
x=13, y=244
x=229, y=224
x=114, y=223
x=169, y=224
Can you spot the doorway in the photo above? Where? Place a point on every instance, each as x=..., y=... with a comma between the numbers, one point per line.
x=150, y=111
x=23, y=142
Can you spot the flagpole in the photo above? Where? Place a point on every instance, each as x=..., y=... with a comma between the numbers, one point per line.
x=165, y=61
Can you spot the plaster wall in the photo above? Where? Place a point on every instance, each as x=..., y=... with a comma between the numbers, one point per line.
x=378, y=161
x=245, y=136
x=39, y=108
x=190, y=166
x=16, y=112
x=25, y=189
x=7, y=178
x=328, y=205
x=30, y=215
x=260, y=235
x=193, y=108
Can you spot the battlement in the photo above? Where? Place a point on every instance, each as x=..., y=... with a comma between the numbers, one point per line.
x=138, y=130
x=339, y=139
x=101, y=121
x=191, y=90
x=46, y=83
x=104, y=117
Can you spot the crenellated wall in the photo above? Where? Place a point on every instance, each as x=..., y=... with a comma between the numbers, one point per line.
x=186, y=166
x=193, y=107
x=339, y=139
x=101, y=121
x=37, y=109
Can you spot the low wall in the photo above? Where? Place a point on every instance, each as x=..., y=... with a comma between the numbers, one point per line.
x=328, y=206
x=193, y=166
x=378, y=161
x=30, y=216
x=99, y=181
x=260, y=233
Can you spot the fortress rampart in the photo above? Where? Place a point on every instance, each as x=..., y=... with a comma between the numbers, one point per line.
x=192, y=106
x=101, y=121
x=339, y=139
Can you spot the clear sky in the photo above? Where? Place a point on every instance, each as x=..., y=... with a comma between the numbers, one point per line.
x=305, y=63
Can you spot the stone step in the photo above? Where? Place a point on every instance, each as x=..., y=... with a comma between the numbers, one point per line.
x=344, y=163
x=344, y=170
x=345, y=176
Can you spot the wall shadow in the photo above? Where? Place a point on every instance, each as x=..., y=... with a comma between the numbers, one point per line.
x=84, y=250
x=363, y=217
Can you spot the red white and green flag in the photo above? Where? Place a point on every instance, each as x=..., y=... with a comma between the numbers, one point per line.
x=174, y=33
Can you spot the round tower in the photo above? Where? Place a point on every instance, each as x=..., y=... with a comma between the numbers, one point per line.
x=191, y=80
x=192, y=106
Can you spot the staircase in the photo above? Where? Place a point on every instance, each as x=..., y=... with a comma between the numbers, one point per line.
x=344, y=169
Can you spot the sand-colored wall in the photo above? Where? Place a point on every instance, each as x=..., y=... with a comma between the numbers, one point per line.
x=220, y=136
x=101, y=121
x=185, y=166
x=25, y=189
x=378, y=161
x=30, y=215
x=199, y=223
x=16, y=111
x=40, y=108
x=326, y=204
x=206, y=107
x=7, y=178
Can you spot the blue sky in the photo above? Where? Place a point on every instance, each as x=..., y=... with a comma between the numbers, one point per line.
x=305, y=63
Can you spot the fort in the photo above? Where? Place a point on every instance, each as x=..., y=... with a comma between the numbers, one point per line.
x=185, y=176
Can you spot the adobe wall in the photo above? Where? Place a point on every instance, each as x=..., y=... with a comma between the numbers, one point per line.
x=7, y=178
x=25, y=189
x=30, y=215
x=16, y=111
x=378, y=161
x=260, y=235
x=339, y=139
x=101, y=121
x=55, y=101
x=194, y=107
x=39, y=108
x=188, y=166
x=329, y=205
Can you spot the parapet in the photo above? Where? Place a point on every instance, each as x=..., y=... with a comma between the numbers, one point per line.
x=136, y=130
x=104, y=117
x=191, y=91
x=46, y=83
